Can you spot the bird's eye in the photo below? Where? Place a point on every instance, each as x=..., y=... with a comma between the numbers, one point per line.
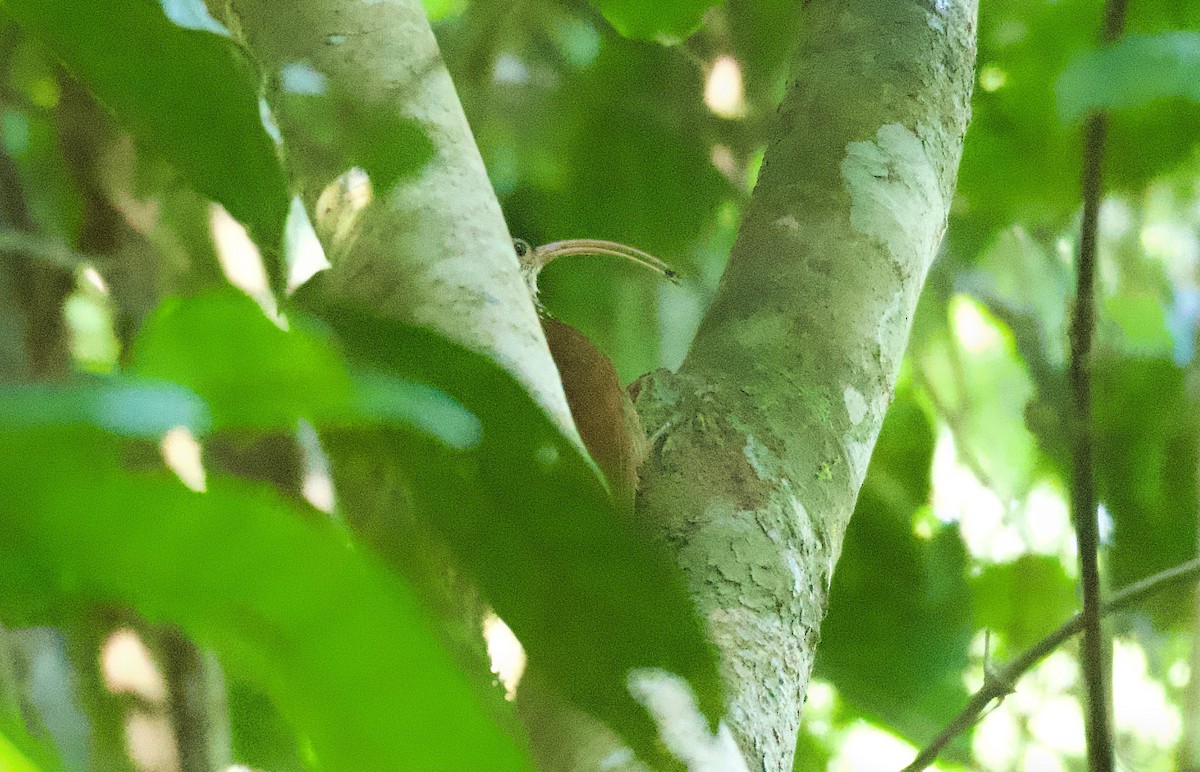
x=521, y=246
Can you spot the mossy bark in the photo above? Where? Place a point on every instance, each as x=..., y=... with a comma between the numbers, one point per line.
x=764, y=434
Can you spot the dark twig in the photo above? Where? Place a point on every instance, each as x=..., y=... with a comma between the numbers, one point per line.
x=999, y=684
x=1083, y=492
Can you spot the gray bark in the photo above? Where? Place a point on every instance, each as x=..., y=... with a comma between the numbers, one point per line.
x=762, y=438
x=434, y=250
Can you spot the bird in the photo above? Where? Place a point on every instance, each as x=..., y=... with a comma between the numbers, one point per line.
x=602, y=410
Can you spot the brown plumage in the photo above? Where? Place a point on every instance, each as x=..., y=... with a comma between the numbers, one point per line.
x=603, y=412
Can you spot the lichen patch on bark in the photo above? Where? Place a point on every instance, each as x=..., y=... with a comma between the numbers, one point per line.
x=764, y=436
x=895, y=196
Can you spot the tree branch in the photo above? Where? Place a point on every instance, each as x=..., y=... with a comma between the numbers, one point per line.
x=1083, y=493
x=1000, y=684
x=763, y=436
x=434, y=249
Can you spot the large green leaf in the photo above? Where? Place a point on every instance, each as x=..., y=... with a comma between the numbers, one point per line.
x=1131, y=73
x=521, y=507
x=1024, y=600
x=172, y=76
x=259, y=737
x=665, y=20
x=11, y=757
x=1021, y=163
x=287, y=604
x=20, y=750
x=895, y=640
x=249, y=371
x=1146, y=423
x=531, y=521
x=253, y=374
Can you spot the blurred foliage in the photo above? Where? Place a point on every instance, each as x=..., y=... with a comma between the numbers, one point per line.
x=1024, y=600
x=334, y=132
x=12, y=758
x=1132, y=73
x=668, y=20
x=912, y=620
x=21, y=752
x=590, y=125
x=180, y=86
x=241, y=573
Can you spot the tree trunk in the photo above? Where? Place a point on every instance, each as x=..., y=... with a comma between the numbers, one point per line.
x=434, y=250
x=764, y=435
x=762, y=438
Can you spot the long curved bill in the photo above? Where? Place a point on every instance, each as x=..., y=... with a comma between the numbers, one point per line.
x=548, y=252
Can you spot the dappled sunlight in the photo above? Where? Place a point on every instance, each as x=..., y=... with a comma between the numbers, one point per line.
x=724, y=92
x=240, y=259
x=339, y=207
x=1041, y=720
x=302, y=249
x=128, y=667
x=505, y=652
x=865, y=747
x=151, y=742
x=88, y=313
x=973, y=329
x=317, y=486
x=959, y=497
x=992, y=78
x=182, y=454
x=1141, y=705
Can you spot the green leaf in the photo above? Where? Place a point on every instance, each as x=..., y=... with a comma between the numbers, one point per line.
x=254, y=374
x=667, y=21
x=260, y=737
x=1021, y=163
x=981, y=386
x=1024, y=600
x=251, y=372
x=764, y=34
x=323, y=628
x=527, y=514
x=176, y=81
x=519, y=504
x=1146, y=423
x=895, y=640
x=12, y=759
x=20, y=750
x=444, y=9
x=1133, y=72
